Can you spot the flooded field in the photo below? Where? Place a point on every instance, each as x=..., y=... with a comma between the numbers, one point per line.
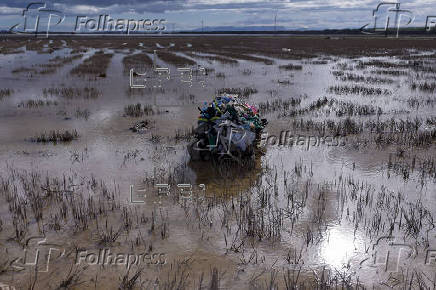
x=341, y=193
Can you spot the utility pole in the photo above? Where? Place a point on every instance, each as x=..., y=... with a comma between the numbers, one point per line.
x=397, y=10
x=275, y=22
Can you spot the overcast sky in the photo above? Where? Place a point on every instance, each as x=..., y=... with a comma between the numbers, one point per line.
x=295, y=14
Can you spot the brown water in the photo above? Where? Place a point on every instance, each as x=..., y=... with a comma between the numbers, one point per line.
x=333, y=204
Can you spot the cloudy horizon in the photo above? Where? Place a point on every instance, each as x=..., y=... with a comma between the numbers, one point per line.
x=187, y=15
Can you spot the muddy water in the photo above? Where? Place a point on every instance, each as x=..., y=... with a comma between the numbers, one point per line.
x=322, y=222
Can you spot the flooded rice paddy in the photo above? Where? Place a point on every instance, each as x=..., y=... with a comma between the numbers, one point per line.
x=341, y=193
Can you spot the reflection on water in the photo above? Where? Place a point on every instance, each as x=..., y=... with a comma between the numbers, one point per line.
x=326, y=199
x=338, y=248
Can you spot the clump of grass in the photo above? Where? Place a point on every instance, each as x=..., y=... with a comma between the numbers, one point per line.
x=156, y=138
x=425, y=87
x=247, y=72
x=316, y=105
x=78, y=50
x=243, y=92
x=24, y=70
x=277, y=105
x=390, y=72
x=291, y=67
x=359, y=78
x=70, y=93
x=72, y=279
x=338, y=73
x=220, y=59
x=96, y=65
x=358, y=90
x=138, y=62
x=241, y=56
x=352, y=109
x=137, y=110
x=82, y=114
x=107, y=236
x=47, y=71
x=381, y=64
x=175, y=59
x=37, y=103
x=129, y=283
x=5, y=93
x=184, y=134
x=56, y=136
x=66, y=59
x=57, y=62
x=318, y=62
x=220, y=75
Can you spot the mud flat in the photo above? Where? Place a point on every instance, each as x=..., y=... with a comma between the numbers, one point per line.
x=341, y=192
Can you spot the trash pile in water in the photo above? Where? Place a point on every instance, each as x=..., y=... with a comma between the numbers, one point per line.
x=227, y=127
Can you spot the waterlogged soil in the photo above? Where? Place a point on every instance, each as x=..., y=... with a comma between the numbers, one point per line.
x=306, y=212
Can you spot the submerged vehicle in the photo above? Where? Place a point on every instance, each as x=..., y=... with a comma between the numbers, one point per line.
x=227, y=129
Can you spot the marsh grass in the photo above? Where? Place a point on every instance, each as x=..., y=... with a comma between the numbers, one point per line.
x=278, y=105
x=248, y=217
x=242, y=92
x=107, y=236
x=364, y=79
x=382, y=64
x=37, y=103
x=56, y=137
x=55, y=63
x=82, y=113
x=241, y=56
x=71, y=92
x=138, y=110
x=175, y=59
x=291, y=67
x=220, y=75
x=217, y=58
x=96, y=65
x=5, y=93
x=358, y=90
x=24, y=70
x=139, y=62
x=395, y=73
x=424, y=87
x=129, y=283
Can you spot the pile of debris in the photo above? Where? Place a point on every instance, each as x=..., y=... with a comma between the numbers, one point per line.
x=227, y=128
